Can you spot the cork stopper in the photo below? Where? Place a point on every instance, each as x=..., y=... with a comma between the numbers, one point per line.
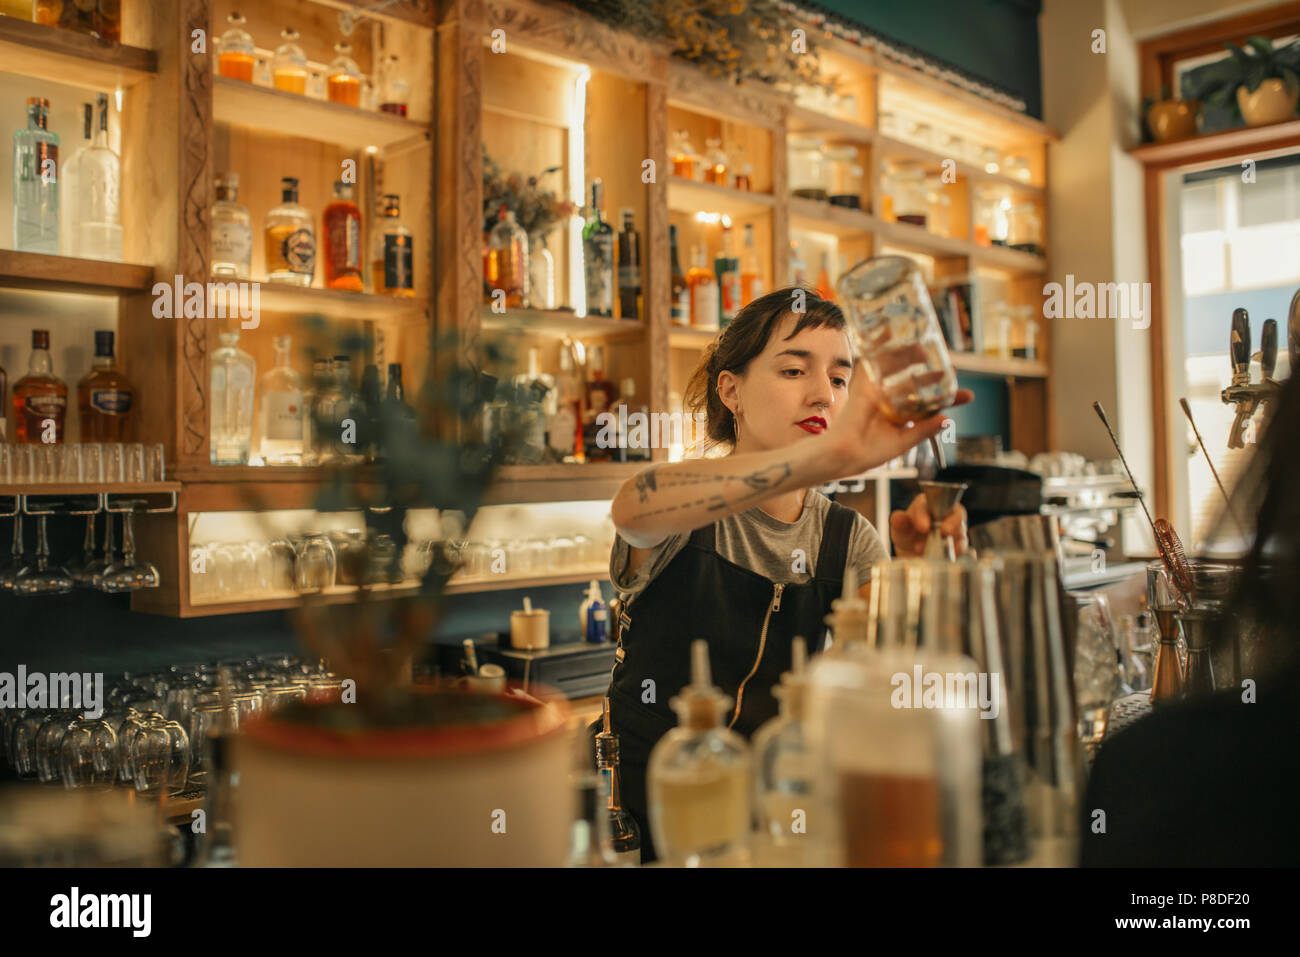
x=700, y=705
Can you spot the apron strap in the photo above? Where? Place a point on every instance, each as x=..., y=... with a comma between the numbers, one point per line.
x=832, y=554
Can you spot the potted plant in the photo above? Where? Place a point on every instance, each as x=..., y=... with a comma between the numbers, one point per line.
x=1170, y=118
x=1259, y=82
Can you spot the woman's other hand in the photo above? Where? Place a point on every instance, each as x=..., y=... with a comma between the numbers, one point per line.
x=910, y=529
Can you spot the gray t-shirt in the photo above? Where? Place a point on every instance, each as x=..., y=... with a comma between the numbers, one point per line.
x=782, y=551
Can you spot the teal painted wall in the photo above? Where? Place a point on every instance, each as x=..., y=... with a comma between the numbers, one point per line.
x=993, y=40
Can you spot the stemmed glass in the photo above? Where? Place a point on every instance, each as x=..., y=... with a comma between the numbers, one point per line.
x=83, y=570
x=100, y=565
x=42, y=580
x=16, y=565
x=128, y=574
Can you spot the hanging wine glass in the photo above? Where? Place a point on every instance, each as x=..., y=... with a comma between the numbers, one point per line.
x=43, y=579
x=100, y=565
x=128, y=574
x=83, y=569
x=16, y=563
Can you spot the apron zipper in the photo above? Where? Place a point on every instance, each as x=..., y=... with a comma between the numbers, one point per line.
x=762, y=643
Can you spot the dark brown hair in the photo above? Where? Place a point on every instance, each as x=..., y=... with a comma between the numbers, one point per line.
x=744, y=338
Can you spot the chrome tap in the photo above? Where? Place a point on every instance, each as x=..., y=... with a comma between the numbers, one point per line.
x=1242, y=393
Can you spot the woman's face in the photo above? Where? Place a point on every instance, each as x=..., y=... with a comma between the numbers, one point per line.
x=792, y=389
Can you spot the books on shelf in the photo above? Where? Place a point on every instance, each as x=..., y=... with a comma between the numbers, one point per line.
x=954, y=304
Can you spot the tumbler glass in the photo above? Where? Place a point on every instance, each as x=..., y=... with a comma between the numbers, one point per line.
x=89, y=754
x=92, y=462
x=898, y=336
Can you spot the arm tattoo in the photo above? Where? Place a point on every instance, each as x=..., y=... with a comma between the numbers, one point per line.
x=645, y=484
x=763, y=482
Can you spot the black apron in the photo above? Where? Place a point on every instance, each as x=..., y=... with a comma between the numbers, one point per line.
x=749, y=622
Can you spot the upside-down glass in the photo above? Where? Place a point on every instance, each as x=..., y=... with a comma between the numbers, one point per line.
x=43, y=579
x=898, y=336
x=129, y=574
x=89, y=754
x=160, y=757
x=17, y=562
x=49, y=744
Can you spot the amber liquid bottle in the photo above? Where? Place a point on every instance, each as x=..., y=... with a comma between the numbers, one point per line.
x=105, y=397
x=40, y=397
x=342, y=229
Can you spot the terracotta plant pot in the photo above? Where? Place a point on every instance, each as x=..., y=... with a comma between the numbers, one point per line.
x=1173, y=119
x=1272, y=102
x=475, y=780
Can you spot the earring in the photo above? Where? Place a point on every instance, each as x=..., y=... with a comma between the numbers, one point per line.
x=735, y=425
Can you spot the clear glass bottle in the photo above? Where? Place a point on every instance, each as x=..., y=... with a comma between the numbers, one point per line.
x=341, y=224
x=232, y=231
x=344, y=77
x=393, y=264
x=782, y=762
x=507, y=261
x=624, y=832
x=97, y=211
x=698, y=778
x=396, y=92
x=235, y=50
x=751, y=280
x=290, y=239
x=69, y=184
x=808, y=170
x=289, y=68
x=541, y=275
x=598, y=257
x=234, y=379
x=715, y=162
x=683, y=155
x=283, y=420
x=703, y=288
x=36, y=182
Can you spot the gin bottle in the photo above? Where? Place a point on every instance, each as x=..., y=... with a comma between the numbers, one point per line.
x=97, y=202
x=36, y=182
x=69, y=180
x=598, y=257
x=284, y=419
x=233, y=384
x=232, y=231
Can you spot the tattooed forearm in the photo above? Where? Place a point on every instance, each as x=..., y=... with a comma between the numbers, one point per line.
x=645, y=484
x=763, y=482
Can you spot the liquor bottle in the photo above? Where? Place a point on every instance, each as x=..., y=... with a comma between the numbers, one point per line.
x=751, y=280
x=344, y=78
x=396, y=93
x=538, y=404
x=235, y=50
x=704, y=292
x=629, y=268
x=600, y=398
x=105, y=397
x=69, y=181
x=232, y=231
x=624, y=832
x=824, y=288
x=744, y=170
x=683, y=155
x=698, y=778
x=234, y=381
x=40, y=397
x=97, y=202
x=283, y=410
x=318, y=406
x=289, y=68
x=399, y=415
x=341, y=227
x=507, y=261
x=797, y=266
x=727, y=269
x=394, y=253
x=634, y=445
x=4, y=405
x=564, y=431
x=36, y=182
x=681, y=293
x=715, y=162
x=290, y=239
x=598, y=257
x=783, y=759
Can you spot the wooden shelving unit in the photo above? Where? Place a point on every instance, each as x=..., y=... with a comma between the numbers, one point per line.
x=64, y=274
x=45, y=53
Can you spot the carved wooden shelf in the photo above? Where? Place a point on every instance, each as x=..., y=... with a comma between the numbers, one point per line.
x=289, y=114
x=66, y=274
x=65, y=56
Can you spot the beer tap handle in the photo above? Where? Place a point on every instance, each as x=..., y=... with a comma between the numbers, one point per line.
x=1293, y=331
x=1239, y=346
x=1268, y=349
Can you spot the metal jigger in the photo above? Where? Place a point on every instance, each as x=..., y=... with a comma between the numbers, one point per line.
x=1197, y=624
x=940, y=499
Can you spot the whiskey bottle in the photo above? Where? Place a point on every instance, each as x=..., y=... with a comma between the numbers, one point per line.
x=235, y=50
x=284, y=417
x=233, y=389
x=105, y=397
x=629, y=268
x=680, y=311
x=600, y=399
x=232, y=231
x=751, y=280
x=40, y=397
x=598, y=257
x=342, y=233
x=36, y=182
x=727, y=269
x=97, y=202
x=290, y=239
x=508, y=262
x=704, y=292
x=394, y=254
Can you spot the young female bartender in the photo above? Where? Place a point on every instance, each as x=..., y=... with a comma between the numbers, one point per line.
x=733, y=548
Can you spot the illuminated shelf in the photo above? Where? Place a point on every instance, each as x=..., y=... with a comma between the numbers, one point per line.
x=890, y=148
x=686, y=337
x=290, y=114
x=688, y=196
x=39, y=271
x=557, y=322
x=65, y=56
x=804, y=121
x=823, y=217
x=335, y=303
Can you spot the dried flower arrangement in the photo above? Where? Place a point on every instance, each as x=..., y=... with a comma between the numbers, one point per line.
x=537, y=210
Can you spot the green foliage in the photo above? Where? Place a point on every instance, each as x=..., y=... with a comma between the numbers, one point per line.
x=1247, y=66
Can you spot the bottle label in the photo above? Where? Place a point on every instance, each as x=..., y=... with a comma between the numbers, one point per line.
x=681, y=310
x=397, y=262
x=629, y=277
x=232, y=243
x=284, y=418
x=110, y=401
x=46, y=406
x=705, y=301
x=299, y=251
x=730, y=293
x=599, y=267
x=47, y=153
x=345, y=245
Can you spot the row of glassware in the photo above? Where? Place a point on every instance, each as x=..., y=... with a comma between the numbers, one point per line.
x=289, y=70
x=81, y=462
x=918, y=132
x=39, y=574
x=715, y=165
x=314, y=561
x=152, y=732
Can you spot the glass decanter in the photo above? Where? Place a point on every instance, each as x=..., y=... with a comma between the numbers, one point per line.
x=283, y=422
x=698, y=778
x=344, y=78
x=396, y=92
x=289, y=68
x=233, y=384
x=235, y=50
x=97, y=210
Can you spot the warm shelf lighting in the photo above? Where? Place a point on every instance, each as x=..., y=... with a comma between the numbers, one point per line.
x=577, y=188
